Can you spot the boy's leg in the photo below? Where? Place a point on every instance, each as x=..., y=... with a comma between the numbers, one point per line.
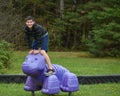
x=47, y=59
x=44, y=45
x=50, y=70
x=44, y=50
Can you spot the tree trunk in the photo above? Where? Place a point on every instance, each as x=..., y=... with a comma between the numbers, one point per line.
x=74, y=7
x=61, y=8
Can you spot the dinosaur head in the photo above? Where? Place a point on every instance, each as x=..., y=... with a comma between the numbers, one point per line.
x=33, y=64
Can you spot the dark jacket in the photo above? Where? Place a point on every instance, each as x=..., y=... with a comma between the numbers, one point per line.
x=36, y=33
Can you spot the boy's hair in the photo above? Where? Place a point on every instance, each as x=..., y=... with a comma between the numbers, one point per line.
x=29, y=18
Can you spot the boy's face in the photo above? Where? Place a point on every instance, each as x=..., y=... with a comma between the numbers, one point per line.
x=30, y=23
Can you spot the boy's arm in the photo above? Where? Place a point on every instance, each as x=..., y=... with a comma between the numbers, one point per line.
x=39, y=34
x=40, y=31
x=28, y=39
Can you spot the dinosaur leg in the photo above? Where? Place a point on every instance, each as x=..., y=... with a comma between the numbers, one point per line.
x=31, y=85
x=51, y=85
x=69, y=82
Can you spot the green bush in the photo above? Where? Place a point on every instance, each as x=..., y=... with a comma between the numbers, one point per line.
x=105, y=35
x=105, y=41
x=5, y=55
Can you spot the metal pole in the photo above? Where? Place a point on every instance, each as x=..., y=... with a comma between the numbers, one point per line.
x=32, y=92
x=70, y=94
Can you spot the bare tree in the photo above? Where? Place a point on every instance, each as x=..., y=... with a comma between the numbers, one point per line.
x=74, y=7
x=61, y=8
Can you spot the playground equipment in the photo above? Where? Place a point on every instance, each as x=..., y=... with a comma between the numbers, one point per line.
x=35, y=67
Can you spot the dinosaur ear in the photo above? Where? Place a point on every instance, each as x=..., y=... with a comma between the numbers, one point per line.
x=36, y=58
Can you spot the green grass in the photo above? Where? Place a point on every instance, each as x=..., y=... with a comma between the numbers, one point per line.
x=77, y=62
x=85, y=90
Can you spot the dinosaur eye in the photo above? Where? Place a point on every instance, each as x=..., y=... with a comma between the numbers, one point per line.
x=36, y=58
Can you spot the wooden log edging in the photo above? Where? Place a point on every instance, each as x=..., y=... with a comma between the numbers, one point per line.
x=12, y=78
x=99, y=79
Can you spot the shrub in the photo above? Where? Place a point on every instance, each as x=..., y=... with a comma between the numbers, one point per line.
x=5, y=55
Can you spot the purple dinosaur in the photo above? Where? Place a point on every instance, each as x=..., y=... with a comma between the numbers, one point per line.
x=35, y=67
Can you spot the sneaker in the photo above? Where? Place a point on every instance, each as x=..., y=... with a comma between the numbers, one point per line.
x=49, y=72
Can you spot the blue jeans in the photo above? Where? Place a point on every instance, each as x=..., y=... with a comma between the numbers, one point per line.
x=44, y=45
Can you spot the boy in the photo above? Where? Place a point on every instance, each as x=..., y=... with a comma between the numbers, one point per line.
x=39, y=42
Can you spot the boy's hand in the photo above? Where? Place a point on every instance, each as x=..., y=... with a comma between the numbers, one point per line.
x=31, y=52
x=36, y=51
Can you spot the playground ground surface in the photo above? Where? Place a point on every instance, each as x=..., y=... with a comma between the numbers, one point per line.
x=85, y=90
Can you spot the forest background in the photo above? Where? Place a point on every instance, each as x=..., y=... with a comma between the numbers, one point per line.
x=73, y=25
